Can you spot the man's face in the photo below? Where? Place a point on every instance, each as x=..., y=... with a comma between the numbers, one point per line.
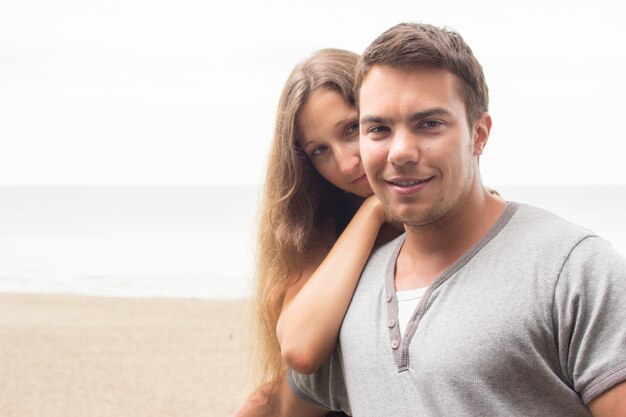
x=419, y=153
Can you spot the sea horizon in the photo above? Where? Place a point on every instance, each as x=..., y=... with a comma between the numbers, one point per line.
x=188, y=241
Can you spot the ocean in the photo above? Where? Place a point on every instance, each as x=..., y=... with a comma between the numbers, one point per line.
x=189, y=242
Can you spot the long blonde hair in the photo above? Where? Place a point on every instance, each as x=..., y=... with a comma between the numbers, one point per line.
x=296, y=199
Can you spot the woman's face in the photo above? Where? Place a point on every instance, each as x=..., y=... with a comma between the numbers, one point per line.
x=328, y=132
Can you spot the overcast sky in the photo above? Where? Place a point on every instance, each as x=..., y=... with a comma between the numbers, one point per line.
x=185, y=91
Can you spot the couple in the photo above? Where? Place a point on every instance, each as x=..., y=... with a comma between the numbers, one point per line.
x=477, y=307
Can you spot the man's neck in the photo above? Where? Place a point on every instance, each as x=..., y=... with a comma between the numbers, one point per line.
x=429, y=251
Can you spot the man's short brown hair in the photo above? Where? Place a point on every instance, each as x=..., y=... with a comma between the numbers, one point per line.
x=412, y=44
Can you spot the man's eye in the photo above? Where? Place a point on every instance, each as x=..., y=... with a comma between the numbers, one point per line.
x=377, y=129
x=319, y=150
x=431, y=123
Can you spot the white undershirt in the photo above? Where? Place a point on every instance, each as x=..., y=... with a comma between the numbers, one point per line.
x=407, y=303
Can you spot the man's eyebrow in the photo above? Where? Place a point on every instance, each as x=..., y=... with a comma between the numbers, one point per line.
x=436, y=111
x=420, y=115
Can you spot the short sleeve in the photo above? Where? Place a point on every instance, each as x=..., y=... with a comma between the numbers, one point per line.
x=325, y=388
x=590, y=318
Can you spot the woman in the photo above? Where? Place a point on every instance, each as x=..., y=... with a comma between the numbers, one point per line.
x=318, y=222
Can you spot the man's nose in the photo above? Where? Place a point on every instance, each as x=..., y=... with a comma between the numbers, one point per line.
x=403, y=148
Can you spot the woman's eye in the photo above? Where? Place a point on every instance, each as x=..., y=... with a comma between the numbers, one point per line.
x=318, y=151
x=353, y=128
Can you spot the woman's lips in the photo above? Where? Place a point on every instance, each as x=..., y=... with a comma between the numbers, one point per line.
x=359, y=180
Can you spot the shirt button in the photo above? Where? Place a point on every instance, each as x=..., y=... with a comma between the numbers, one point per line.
x=395, y=343
x=392, y=323
x=389, y=297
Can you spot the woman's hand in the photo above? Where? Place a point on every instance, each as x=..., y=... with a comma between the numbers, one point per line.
x=380, y=214
x=375, y=206
x=277, y=400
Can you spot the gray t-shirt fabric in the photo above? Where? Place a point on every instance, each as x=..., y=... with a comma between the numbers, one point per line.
x=529, y=322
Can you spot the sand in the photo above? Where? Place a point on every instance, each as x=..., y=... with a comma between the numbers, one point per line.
x=91, y=356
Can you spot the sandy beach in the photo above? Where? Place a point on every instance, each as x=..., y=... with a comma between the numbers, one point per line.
x=93, y=356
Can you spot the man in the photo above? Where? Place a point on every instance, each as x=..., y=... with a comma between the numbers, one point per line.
x=521, y=313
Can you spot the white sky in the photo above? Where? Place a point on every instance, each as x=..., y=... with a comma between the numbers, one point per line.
x=185, y=91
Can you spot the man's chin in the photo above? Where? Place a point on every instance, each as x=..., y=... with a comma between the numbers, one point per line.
x=415, y=219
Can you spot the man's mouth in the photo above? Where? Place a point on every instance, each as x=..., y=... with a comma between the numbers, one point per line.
x=409, y=183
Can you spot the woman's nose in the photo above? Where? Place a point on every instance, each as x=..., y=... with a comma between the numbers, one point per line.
x=348, y=160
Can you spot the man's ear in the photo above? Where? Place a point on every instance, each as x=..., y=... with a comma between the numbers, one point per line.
x=482, y=127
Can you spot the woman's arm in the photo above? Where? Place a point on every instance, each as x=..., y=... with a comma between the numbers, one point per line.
x=277, y=400
x=611, y=403
x=315, y=306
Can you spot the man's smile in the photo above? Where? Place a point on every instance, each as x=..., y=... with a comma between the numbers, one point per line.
x=405, y=185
